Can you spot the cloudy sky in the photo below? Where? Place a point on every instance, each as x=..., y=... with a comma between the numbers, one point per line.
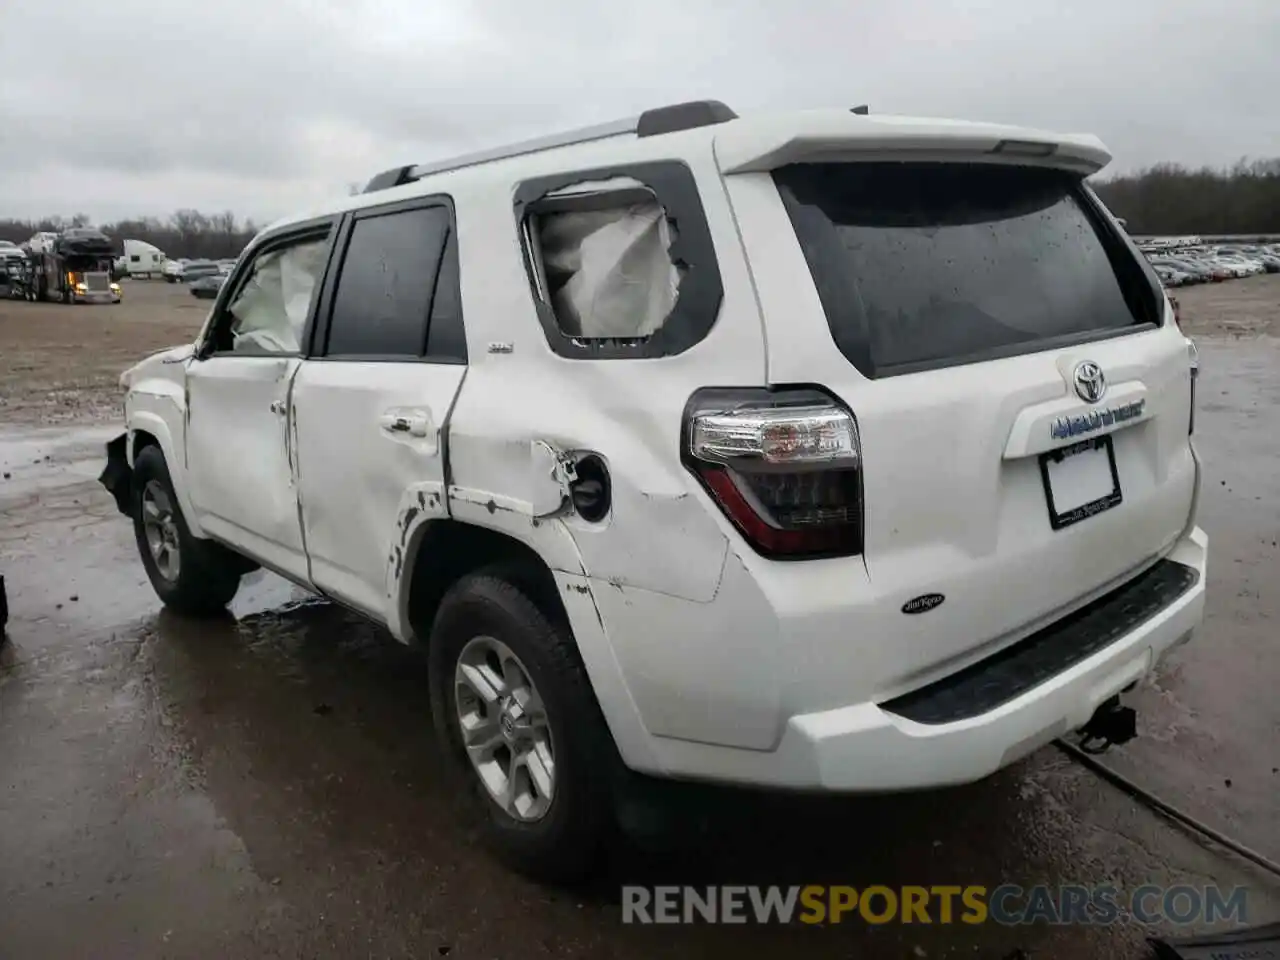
x=259, y=106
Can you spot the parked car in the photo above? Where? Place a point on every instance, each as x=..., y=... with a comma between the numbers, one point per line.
x=1197, y=270
x=1241, y=265
x=1171, y=276
x=778, y=515
x=206, y=288
x=1194, y=272
x=1270, y=261
x=1218, y=271
x=195, y=269
x=172, y=269
x=15, y=274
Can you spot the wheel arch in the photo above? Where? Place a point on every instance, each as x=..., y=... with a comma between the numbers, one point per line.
x=440, y=550
x=148, y=428
x=546, y=554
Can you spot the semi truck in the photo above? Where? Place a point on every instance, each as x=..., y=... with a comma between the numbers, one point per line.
x=73, y=266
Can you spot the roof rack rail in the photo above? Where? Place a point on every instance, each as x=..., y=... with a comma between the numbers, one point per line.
x=395, y=177
x=683, y=116
x=650, y=123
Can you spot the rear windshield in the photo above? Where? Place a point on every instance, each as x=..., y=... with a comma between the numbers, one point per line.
x=921, y=265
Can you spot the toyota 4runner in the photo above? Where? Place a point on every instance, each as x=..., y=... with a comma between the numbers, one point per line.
x=820, y=451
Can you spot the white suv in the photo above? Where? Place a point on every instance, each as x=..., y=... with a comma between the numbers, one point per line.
x=819, y=451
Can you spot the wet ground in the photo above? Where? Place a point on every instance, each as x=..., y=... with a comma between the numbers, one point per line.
x=265, y=785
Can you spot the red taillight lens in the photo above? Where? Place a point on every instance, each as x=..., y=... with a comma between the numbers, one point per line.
x=784, y=466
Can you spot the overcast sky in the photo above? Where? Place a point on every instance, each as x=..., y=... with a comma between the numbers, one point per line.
x=259, y=106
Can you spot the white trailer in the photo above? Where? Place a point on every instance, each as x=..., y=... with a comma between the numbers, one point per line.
x=142, y=259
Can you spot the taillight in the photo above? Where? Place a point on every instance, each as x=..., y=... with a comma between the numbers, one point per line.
x=1193, y=361
x=785, y=466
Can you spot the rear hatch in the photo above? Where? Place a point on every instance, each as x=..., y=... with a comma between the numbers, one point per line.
x=1021, y=392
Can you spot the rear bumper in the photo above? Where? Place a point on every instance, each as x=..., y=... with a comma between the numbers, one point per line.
x=935, y=737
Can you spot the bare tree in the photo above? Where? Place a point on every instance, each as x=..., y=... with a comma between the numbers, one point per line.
x=1171, y=199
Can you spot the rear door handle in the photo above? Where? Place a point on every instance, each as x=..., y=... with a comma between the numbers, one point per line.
x=415, y=423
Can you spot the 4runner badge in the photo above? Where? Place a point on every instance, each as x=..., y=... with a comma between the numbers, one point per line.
x=1064, y=427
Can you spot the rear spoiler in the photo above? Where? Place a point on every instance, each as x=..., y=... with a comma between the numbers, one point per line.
x=763, y=144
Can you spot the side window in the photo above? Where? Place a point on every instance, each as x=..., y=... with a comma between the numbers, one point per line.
x=135, y=258
x=383, y=298
x=602, y=255
x=621, y=262
x=267, y=312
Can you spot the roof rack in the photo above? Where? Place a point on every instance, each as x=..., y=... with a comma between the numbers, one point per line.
x=651, y=123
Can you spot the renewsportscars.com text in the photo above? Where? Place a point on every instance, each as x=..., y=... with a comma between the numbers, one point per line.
x=1007, y=904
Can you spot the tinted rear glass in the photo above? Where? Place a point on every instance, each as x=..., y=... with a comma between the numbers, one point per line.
x=926, y=264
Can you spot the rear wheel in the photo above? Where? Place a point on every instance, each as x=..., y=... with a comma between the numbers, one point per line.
x=192, y=576
x=515, y=712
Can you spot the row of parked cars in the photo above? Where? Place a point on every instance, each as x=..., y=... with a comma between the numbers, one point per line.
x=204, y=278
x=185, y=270
x=1180, y=267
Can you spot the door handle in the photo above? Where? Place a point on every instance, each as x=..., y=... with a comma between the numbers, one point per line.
x=278, y=406
x=415, y=423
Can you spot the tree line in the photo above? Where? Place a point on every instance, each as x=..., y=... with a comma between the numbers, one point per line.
x=1172, y=199
x=187, y=233
x=1164, y=199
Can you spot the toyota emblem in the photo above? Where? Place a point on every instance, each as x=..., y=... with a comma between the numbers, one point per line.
x=1090, y=382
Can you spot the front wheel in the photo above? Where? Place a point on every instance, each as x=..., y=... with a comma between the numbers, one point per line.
x=192, y=576
x=515, y=712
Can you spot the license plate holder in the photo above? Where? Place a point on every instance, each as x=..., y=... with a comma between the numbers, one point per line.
x=1080, y=481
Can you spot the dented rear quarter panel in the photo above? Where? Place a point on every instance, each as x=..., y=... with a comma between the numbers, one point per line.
x=654, y=570
x=662, y=534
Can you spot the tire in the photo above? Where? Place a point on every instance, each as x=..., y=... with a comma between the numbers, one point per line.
x=562, y=844
x=205, y=576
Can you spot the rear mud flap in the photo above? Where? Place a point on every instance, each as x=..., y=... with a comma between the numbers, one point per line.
x=117, y=477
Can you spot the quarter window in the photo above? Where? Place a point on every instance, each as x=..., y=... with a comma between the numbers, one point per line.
x=620, y=260
x=602, y=258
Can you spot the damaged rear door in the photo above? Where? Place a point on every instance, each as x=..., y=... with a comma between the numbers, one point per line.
x=372, y=399
x=239, y=459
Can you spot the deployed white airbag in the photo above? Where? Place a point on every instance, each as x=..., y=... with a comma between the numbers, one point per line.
x=271, y=310
x=621, y=281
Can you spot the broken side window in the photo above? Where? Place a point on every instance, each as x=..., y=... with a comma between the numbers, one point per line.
x=621, y=260
x=269, y=311
x=602, y=260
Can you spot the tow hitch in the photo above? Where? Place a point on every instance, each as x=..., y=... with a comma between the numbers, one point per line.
x=1110, y=726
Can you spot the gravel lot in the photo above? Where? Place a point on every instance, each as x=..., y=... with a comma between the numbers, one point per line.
x=264, y=785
